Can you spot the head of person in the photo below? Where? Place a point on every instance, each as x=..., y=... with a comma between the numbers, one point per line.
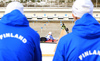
x=63, y=23
x=50, y=33
x=13, y=6
x=80, y=7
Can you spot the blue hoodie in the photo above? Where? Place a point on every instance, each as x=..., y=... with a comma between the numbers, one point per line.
x=18, y=42
x=82, y=44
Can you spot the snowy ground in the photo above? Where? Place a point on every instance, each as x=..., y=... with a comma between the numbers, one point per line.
x=48, y=50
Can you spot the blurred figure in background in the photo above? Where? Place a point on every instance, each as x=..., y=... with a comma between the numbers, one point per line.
x=64, y=28
x=18, y=42
x=49, y=36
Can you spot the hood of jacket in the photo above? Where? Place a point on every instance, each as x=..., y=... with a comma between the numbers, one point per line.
x=87, y=27
x=15, y=18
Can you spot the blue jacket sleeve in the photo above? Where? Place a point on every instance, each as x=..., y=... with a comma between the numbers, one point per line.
x=51, y=38
x=59, y=54
x=37, y=52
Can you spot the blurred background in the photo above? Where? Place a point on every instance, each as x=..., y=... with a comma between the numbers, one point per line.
x=46, y=3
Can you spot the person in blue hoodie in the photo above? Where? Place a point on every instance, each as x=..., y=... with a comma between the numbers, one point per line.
x=82, y=44
x=18, y=41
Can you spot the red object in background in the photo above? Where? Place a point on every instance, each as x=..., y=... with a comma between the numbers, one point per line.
x=50, y=41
